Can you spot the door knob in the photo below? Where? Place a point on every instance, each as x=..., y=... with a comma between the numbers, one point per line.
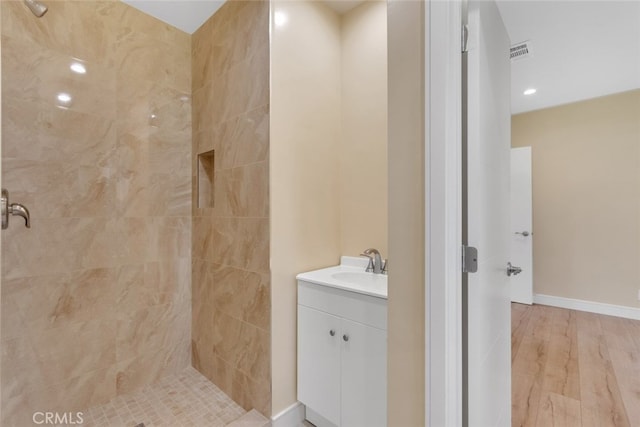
x=523, y=233
x=13, y=209
x=345, y=337
x=512, y=270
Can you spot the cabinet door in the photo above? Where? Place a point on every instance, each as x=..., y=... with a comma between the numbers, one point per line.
x=319, y=362
x=364, y=375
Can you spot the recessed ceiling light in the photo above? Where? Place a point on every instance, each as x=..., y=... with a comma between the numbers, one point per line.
x=79, y=68
x=530, y=91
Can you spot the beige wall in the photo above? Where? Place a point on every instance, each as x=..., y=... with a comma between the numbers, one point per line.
x=231, y=279
x=328, y=154
x=305, y=132
x=363, y=142
x=586, y=198
x=406, y=374
x=96, y=296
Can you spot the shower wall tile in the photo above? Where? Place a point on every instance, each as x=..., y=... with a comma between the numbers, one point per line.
x=63, y=352
x=249, y=302
x=242, y=87
x=38, y=74
x=55, y=301
x=39, y=131
x=242, y=345
x=96, y=296
x=150, y=59
x=85, y=30
x=242, y=389
x=231, y=278
x=134, y=373
x=242, y=243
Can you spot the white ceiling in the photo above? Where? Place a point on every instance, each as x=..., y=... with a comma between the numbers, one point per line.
x=581, y=50
x=342, y=6
x=187, y=15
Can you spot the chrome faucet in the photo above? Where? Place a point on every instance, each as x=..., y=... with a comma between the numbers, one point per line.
x=376, y=265
x=12, y=209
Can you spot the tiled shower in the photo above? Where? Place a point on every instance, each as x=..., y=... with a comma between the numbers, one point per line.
x=127, y=275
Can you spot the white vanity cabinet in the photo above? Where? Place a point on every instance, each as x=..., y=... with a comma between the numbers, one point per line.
x=342, y=356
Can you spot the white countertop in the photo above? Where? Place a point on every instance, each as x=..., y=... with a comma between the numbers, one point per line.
x=350, y=275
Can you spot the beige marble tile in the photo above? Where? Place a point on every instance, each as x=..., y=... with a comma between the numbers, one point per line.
x=59, y=245
x=203, y=141
x=243, y=346
x=133, y=237
x=99, y=287
x=184, y=398
x=132, y=192
x=242, y=191
x=57, y=190
x=148, y=329
x=54, y=301
x=131, y=153
x=138, y=101
x=244, y=87
x=168, y=281
x=204, y=104
x=202, y=242
x=242, y=243
x=37, y=74
x=243, y=295
x=202, y=71
x=250, y=184
x=202, y=286
x=147, y=368
x=84, y=30
x=21, y=369
x=132, y=20
x=169, y=195
x=251, y=139
x=247, y=393
x=75, y=349
x=144, y=58
x=241, y=34
x=80, y=392
x=12, y=323
x=40, y=132
x=237, y=142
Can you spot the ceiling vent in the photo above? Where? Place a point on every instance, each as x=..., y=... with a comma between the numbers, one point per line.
x=520, y=50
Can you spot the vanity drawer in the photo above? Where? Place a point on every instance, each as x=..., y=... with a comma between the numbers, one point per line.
x=354, y=306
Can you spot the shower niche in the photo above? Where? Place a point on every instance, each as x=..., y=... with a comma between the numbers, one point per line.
x=205, y=179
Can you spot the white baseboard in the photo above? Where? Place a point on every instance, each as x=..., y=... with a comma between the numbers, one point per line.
x=589, y=306
x=293, y=416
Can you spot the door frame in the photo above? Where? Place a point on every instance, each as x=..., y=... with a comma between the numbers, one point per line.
x=443, y=212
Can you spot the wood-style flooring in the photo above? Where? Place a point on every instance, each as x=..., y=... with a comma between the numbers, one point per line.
x=571, y=368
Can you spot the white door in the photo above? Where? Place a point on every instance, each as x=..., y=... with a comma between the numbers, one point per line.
x=521, y=229
x=488, y=156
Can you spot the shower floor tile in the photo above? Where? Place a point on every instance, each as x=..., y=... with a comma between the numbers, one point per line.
x=188, y=400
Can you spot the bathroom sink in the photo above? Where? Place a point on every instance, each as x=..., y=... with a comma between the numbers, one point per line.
x=360, y=278
x=350, y=275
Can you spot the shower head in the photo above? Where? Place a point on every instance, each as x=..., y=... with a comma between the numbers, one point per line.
x=36, y=7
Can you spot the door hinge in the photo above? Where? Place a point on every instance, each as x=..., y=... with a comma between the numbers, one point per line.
x=469, y=259
x=465, y=38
